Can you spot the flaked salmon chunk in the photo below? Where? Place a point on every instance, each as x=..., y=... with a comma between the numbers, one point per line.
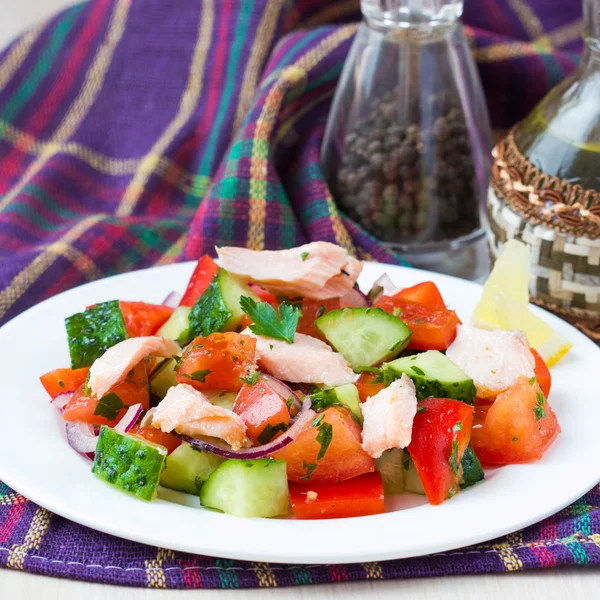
x=318, y=270
x=388, y=417
x=189, y=412
x=307, y=360
x=494, y=360
x=112, y=367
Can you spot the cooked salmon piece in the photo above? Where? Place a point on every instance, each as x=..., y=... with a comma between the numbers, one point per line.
x=112, y=367
x=307, y=360
x=317, y=271
x=388, y=417
x=494, y=360
x=189, y=412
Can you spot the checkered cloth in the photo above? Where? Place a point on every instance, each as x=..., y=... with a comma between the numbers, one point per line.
x=137, y=133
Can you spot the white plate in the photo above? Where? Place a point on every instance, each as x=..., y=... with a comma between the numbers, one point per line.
x=36, y=460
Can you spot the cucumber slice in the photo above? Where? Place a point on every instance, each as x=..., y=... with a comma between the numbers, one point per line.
x=178, y=326
x=391, y=467
x=471, y=468
x=434, y=375
x=222, y=399
x=412, y=481
x=248, y=488
x=93, y=332
x=364, y=336
x=187, y=469
x=218, y=309
x=163, y=378
x=344, y=395
x=129, y=463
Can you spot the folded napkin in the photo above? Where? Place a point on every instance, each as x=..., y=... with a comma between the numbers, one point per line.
x=142, y=133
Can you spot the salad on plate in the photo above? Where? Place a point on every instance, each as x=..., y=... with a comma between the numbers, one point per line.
x=275, y=381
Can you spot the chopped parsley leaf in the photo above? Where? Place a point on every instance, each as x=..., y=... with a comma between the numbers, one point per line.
x=539, y=411
x=198, y=375
x=86, y=386
x=318, y=420
x=532, y=380
x=396, y=311
x=61, y=383
x=178, y=360
x=421, y=409
x=324, y=438
x=109, y=406
x=454, y=464
x=266, y=322
x=268, y=433
x=310, y=467
x=458, y=426
x=515, y=439
x=304, y=256
x=251, y=379
x=289, y=402
x=321, y=311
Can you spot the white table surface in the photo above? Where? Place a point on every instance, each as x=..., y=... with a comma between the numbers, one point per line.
x=580, y=583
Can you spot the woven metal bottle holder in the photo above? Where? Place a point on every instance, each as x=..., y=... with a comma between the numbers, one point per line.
x=561, y=224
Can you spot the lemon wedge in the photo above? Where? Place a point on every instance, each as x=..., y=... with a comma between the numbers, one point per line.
x=510, y=275
x=513, y=315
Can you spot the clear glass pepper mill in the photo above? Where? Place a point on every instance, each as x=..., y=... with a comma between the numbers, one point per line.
x=407, y=146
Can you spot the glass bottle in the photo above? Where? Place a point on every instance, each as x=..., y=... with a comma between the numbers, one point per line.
x=407, y=146
x=561, y=136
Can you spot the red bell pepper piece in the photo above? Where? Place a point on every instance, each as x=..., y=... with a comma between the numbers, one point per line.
x=203, y=274
x=425, y=293
x=356, y=497
x=63, y=380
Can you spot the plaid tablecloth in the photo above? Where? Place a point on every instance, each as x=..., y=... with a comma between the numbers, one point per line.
x=142, y=132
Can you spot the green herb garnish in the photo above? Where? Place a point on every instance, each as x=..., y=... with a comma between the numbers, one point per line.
x=321, y=311
x=324, y=438
x=310, y=467
x=87, y=392
x=515, y=439
x=61, y=383
x=266, y=322
x=539, y=411
x=458, y=426
x=304, y=256
x=109, y=406
x=317, y=421
x=532, y=380
x=268, y=433
x=251, y=379
x=289, y=402
x=198, y=375
x=454, y=464
x=421, y=409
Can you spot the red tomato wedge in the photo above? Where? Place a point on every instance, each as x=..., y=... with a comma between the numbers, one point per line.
x=431, y=329
x=426, y=294
x=144, y=319
x=263, y=410
x=344, y=457
x=218, y=362
x=263, y=294
x=517, y=428
x=365, y=386
x=168, y=440
x=354, y=497
x=63, y=380
x=133, y=390
x=203, y=274
x=440, y=436
x=311, y=311
x=542, y=373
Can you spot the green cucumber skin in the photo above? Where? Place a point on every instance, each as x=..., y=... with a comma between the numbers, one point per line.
x=343, y=395
x=248, y=488
x=129, y=463
x=210, y=313
x=426, y=385
x=92, y=332
x=351, y=321
x=187, y=469
x=472, y=472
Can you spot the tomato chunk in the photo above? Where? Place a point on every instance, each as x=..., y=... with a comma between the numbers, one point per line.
x=517, y=428
x=263, y=294
x=263, y=410
x=144, y=319
x=440, y=436
x=311, y=311
x=203, y=274
x=365, y=386
x=168, y=440
x=133, y=390
x=356, y=497
x=542, y=373
x=425, y=293
x=218, y=361
x=431, y=329
x=63, y=380
x=344, y=457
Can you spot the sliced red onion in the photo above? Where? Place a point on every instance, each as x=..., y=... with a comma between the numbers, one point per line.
x=354, y=299
x=284, y=391
x=221, y=449
x=148, y=418
x=81, y=437
x=61, y=400
x=129, y=419
x=172, y=300
x=384, y=286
